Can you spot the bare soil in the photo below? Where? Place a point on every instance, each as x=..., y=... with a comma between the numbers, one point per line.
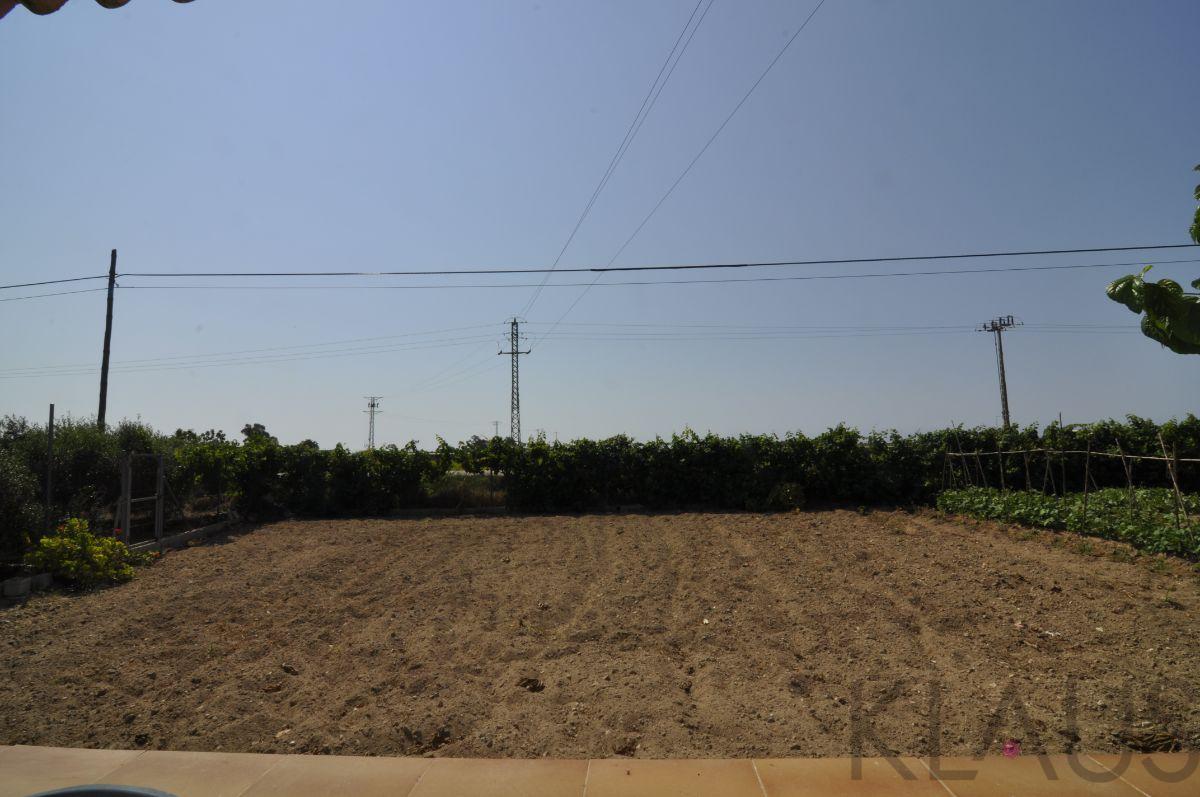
x=672, y=635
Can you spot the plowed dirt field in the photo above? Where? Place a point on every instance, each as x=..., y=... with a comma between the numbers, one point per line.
x=655, y=635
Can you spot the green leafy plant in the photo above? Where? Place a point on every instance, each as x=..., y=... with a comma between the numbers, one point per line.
x=76, y=555
x=1148, y=522
x=1172, y=316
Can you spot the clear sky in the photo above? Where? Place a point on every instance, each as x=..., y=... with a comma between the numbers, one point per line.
x=288, y=135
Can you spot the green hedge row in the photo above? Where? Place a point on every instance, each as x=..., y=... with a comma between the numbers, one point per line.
x=839, y=465
x=266, y=478
x=1147, y=519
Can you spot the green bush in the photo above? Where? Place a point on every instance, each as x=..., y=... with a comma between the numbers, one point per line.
x=842, y=465
x=18, y=512
x=76, y=555
x=1148, y=522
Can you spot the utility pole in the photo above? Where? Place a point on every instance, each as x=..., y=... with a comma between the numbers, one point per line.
x=50, y=471
x=495, y=428
x=997, y=326
x=112, y=283
x=372, y=410
x=514, y=348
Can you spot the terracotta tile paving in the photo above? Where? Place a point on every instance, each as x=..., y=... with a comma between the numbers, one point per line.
x=28, y=770
x=802, y=777
x=1027, y=776
x=194, y=774
x=500, y=777
x=25, y=770
x=321, y=776
x=1159, y=775
x=640, y=777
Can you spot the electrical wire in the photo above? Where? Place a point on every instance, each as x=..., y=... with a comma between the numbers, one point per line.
x=631, y=132
x=676, y=267
x=261, y=360
x=708, y=281
x=212, y=355
x=56, y=293
x=687, y=169
x=54, y=282
x=694, y=160
x=475, y=364
x=608, y=269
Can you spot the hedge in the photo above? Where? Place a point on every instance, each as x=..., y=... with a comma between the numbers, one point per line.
x=265, y=478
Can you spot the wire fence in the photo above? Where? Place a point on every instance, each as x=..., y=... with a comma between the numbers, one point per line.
x=1059, y=472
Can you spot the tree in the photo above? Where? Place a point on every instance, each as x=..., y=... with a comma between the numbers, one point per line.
x=257, y=432
x=1171, y=316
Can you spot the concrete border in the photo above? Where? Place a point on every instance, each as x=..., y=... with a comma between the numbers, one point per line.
x=184, y=537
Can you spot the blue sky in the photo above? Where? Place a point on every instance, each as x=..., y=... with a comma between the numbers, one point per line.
x=296, y=136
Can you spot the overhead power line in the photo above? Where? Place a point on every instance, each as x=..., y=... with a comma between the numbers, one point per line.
x=631, y=132
x=687, y=169
x=602, y=269
x=708, y=281
x=53, y=282
x=670, y=267
x=478, y=362
x=44, y=295
x=324, y=344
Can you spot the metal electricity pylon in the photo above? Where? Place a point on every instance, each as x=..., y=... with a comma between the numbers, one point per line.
x=514, y=349
x=997, y=326
x=372, y=410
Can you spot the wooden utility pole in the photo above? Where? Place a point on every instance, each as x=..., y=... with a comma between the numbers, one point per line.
x=50, y=471
x=112, y=282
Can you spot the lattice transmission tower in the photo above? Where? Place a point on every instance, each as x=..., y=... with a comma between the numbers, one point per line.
x=514, y=349
x=372, y=410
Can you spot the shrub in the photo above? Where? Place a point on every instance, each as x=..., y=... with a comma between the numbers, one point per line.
x=76, y=555
x=18, y=512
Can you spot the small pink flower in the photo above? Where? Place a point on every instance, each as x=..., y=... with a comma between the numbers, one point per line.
x=1012, y=748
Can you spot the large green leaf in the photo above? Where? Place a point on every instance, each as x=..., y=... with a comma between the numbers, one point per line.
x=1128, y=291
x=1172, y=317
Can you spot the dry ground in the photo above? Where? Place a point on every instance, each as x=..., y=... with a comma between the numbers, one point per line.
x=587, y=636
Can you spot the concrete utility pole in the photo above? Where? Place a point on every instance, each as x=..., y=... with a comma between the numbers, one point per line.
x=112, y=283
x=495, y=428
x=997, y=326
x=514, y=348
x=372, y=410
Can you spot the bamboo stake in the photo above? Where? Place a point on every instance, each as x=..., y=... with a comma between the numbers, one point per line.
x=979, y=465
x=1174, y=483
x=963, y=459
x=1000, y=459
x=1028, y=482
x=1087, y=472
x=1128, y=480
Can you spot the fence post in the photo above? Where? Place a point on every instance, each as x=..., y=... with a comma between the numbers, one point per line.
x=963, y=459
x=1128, y=479
x=1174, y=483
x=126, y=497
x=1028, y=481
x=1087, y=472
x=158, y=503
x=50, y=472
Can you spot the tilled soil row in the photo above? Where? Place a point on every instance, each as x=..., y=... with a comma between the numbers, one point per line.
x=672, y=635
